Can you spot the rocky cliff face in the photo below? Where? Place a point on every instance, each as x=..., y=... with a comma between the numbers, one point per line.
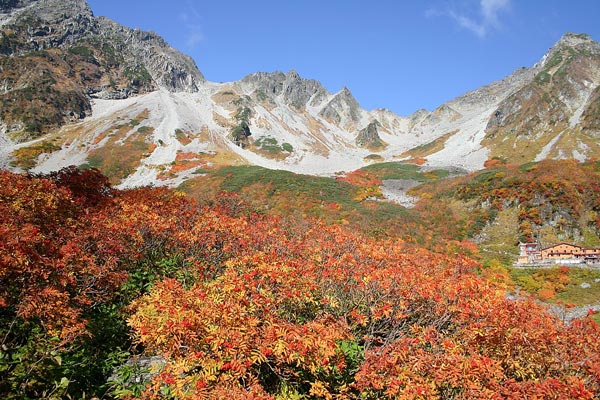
x=55, y=55
x=168, y=68
x=294, y=90
x=369, y=137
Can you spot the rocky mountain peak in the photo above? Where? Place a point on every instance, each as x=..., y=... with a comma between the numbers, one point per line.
x=343, y=106
x=574, y=39
x=294, y=90
x=58, y=10
x=345, y=91
x=345, y=96
x=293, y=75
x=47, y=23
x=570, y=43
x=167, y=67
x=558, y=103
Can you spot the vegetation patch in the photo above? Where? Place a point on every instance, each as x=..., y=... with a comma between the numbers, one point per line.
x=118, y=161
x=555, y=200
x=146, y=130
x=374, y=158
x=83, y=51
x=26, y=157
x=261, y=96
x=561, y=284
x=183, y=137
x=180, y=166
x=543, y=77
x=225, y=96
x=400, y=170
x=138, y=76
x=427, y=149
x=123, y=151
x=240, y=302
x=301, y=196
x=271, y=147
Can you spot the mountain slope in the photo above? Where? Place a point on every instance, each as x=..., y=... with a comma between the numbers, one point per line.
x=546, y=202
x=56, y=57
x=555, y=114
x=80, y=89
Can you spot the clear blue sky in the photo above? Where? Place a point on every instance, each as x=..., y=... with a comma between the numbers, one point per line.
x=397, y=54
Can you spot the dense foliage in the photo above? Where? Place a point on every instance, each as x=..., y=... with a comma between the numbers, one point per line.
x=232, y=303
x=556, y=199
x=353, y=200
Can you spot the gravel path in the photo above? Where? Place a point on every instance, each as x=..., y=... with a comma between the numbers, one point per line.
x=395, y=190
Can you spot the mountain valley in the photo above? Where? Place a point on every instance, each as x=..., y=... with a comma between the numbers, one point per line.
x=163, y=236
x=100, y=90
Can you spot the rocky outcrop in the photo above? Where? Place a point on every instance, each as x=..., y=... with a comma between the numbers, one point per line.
x=294, y=90
x=343, y=107
x=55, y=55
x=369, y=137
x=47, y=24
x=168, y=68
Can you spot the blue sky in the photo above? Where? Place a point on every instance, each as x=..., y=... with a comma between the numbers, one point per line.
x=400, y=55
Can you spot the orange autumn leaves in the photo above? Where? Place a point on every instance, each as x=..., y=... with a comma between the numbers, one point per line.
x=46, y=268
x=290, y=298
x=264, y=307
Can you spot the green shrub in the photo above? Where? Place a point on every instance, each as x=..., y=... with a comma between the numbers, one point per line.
x=82, y=51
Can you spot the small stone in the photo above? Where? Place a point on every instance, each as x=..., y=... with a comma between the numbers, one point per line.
x=585, y=285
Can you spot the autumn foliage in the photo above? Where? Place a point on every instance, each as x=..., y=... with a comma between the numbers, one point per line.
x=243, y=305
x=561, y=196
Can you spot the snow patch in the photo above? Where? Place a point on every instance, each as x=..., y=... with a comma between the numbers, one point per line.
x=576, y=117
x=548, y=148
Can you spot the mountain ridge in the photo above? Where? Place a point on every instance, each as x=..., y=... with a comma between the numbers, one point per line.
x=279, y=120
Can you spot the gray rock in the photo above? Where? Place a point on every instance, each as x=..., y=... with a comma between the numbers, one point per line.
x=342, y=104
x=369, y=136
x=585, y=285
x=110, y=94
x=61, y=23
x=169, y=68
x=294, y=90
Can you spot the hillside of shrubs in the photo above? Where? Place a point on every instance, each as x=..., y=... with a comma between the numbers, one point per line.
x=150, y=294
